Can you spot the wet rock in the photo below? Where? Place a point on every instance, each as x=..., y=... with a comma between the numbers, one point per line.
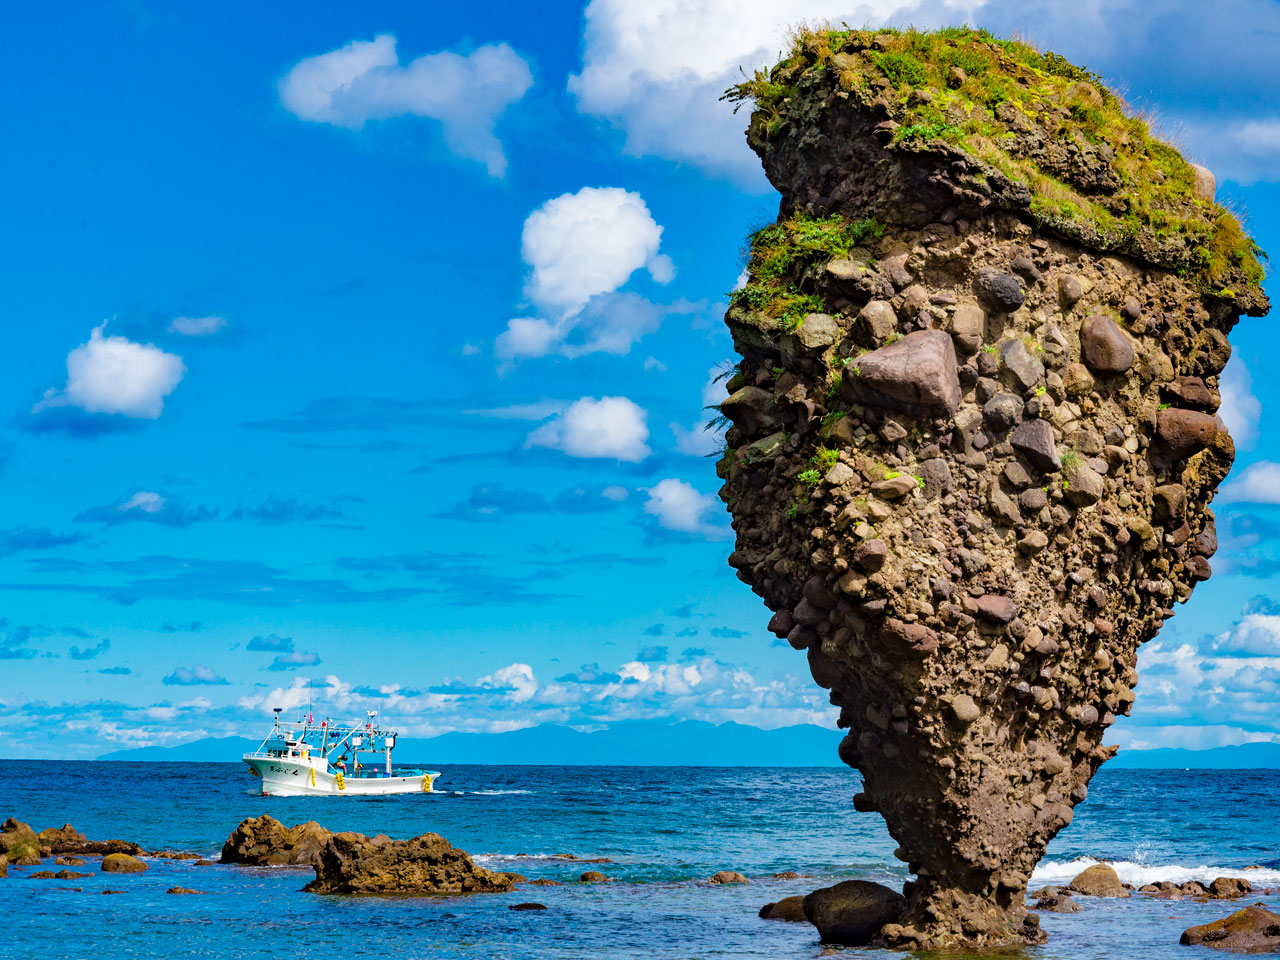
x=789, y=909
x=917, y=375
x=999, y=292
x=64, y=839
x=852, y=912
x=527, y=906
x=1185, y=432
x=4, y=865
x=264, y=841
x=1255, y=929
x=1059, y=902
x=1098, y=880
x=69, y=862
x=18, y=843
x=728, y=876
x=1034, y=440
x=184, y=891
x=592, y=876
x=1228, y=888
x=1105, y=349
x=122, y=863
x=429, y=864
x=70, y=875
x=545, y=882
x=206, y=863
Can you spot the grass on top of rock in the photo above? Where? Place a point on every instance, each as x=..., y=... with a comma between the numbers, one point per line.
x=780, y=254
x=1094, y=171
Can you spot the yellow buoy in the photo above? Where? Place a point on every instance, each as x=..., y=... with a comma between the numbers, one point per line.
x=313, y=776
x=426, y=783
x=342, y=783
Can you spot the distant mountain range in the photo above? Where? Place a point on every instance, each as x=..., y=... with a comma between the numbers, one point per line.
x=632, y=743
x=688, y=743
x=1245, y=756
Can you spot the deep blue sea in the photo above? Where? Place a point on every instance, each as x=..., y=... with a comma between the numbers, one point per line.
x=665, y=829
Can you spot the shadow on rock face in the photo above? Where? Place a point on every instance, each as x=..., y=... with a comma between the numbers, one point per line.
x=974, y=435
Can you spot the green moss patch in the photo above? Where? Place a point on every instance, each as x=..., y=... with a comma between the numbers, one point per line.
x=1094, y=171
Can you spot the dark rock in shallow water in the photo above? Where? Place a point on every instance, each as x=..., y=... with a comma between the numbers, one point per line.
x=527, y=906
x=122, y=863
x=429, y=864
x=728, y=876
x=69, y=862
x=1099, y=880
x=790, y=909
x=1255, y=929
x=852, y=912
x=184, y=891
x=1228, y=888
x=66, y=839
x=592, y=876
x=70, y=875
x=265, y=841
x=544, y=882
x=1058, y=903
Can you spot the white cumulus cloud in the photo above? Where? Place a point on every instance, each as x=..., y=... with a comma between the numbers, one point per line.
x=581, y=248
x=116, y=375
x=657, y=69
x=678, y=506
x=1258, y=483
x=612, y=428
x=365, y=81
x=1241, y=410
x=145, y=501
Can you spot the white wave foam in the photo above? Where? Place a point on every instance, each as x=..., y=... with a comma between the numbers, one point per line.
x=526, y=857
x=1062, y=871
x=489, y=793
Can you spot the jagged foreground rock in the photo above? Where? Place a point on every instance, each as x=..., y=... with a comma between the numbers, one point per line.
x=974, y=433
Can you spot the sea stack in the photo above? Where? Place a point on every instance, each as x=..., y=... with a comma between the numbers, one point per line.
x=974, y=430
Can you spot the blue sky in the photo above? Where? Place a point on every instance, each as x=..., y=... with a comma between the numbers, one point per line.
x=368, y=345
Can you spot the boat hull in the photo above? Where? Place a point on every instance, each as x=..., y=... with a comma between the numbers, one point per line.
x=289, y=777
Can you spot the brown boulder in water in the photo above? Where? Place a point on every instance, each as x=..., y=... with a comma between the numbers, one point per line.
x=429, y=864
x=790, y=909
x=1228, y=888
x=1099, y=880
x=265, y=841
x=66, y=839
x=728, y=876
x=19, y=843
x=1255, y=929
x=852, y=912
x=122, y=863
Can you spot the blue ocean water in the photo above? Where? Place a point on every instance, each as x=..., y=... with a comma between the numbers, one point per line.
x=664, y=829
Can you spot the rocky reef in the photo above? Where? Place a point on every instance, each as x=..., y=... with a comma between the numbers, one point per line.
x=429, y=864
x=265, y=841
x=973, y=435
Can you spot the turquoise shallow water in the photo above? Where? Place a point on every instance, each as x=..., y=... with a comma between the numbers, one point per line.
x=665, y=829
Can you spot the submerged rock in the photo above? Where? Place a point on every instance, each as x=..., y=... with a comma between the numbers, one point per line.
x=593, y=876
x=1255, y=929
x=184, y=891
x=790, y=909
x=429, y=864
x=979, y=653
x=122, y=863
x=852, y=912
x=264, y=841
x=527, y=906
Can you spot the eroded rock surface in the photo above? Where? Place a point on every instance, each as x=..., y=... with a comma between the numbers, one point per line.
x=263, y=841
x=1255, y=929
x=429, y=864
x=983, y=481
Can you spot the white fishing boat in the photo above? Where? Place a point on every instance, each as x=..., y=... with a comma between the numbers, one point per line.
x=308, y=758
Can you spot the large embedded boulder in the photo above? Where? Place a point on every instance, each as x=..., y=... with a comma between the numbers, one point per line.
x=788, y=909
x=1040, y=500
x=265, y=841
x=429, y=864
x=1255, y=929
x=917, y=375
x=853, y=912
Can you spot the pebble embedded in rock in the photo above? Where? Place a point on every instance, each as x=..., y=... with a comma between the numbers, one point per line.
x=880, y=319
x=1034, y=440
x=1082, y=485
x=963, y=710
x=871, y=554
x=996, y=609
x=1104, y=347
x=1070, y=289
x=894, y=488
x=1018, y=360
x=1185, y=432
x=969, y=327
x=917, y=375
x=1002, y=411
x=1001, y=292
